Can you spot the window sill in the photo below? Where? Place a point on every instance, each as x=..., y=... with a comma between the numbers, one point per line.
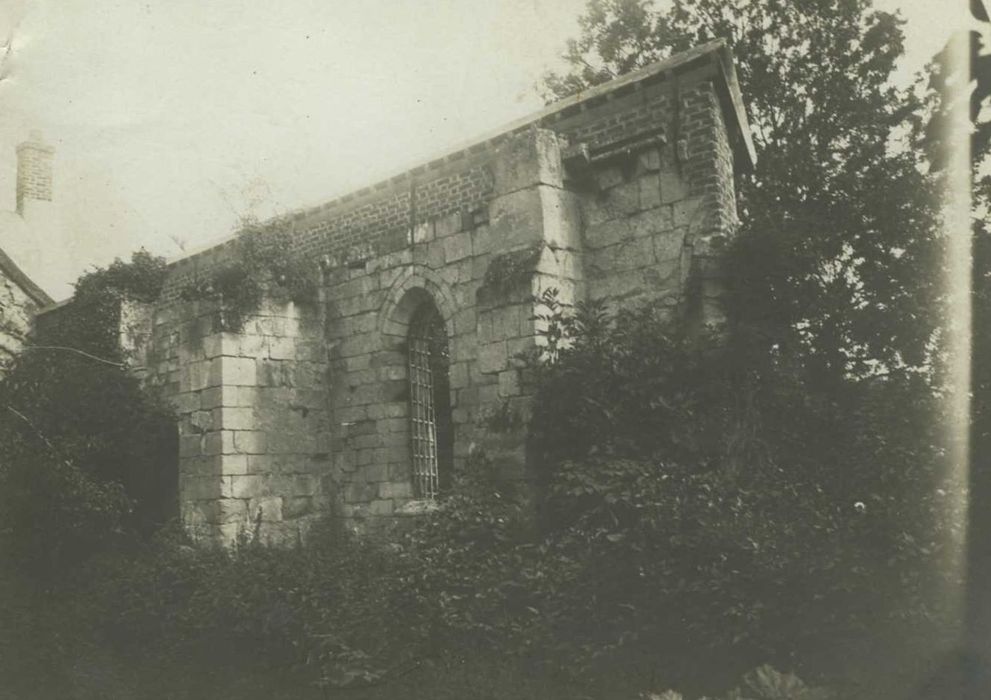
x=417, y=506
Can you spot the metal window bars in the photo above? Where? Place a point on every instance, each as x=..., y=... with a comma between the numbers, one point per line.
x=423, y=408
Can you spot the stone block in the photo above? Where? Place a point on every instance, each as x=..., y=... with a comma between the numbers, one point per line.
x=616, y=287
x=195, y=488
x=296, y=506
x=518, y=348
x=488, y=395
x=375, y=473
x=231, y=510
x=282, y=348
x=685, y=211
x=391, y=425
x=423, y=232
x=650, y=191
x=203, y=421
x=517, y=219
x=380, y=507
x=194, y=376
x=616, y=203
x=247, y=485
x=232, y=371
x=650, y=160
x=186, y=402
x=228, y=534
x=465, y=321
x=448, y=225
x=505, y=321
x=662, y=278
x=430, y=255
x=632, y=254
x=231, y=418
x=273, y=373
x=250, y=441
x=669, y=245
x=260, y=464
x=360, y=492
x=527, y=159
x=482, y=241
x=201, y=465
x=302, y=485
x=673, y=187
x=218, y=442
x=198, y=513
x=390, y=409
x=211, y=398
x=234, y=464
x=394, y=489
x=509, y=383
x=366, y=443
x=458, y=375
x=562, y=222
x=609, y=177
x=246, y=396
x=250, y=345
x=607, y=233
x=270, y=326
x=270, y=508
x=492, y=357
x=457, y=246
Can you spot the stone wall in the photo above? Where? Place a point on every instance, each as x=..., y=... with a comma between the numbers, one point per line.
x=20, y=300
x=623, y=193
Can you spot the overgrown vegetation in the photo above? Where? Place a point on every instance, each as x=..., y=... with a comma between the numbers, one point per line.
x=679, y=542
x=85, y=449
x=259, y=261
x=775, y=495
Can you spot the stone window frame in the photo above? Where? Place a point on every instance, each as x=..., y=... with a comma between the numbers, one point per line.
x=430, y=420
x=415, y=286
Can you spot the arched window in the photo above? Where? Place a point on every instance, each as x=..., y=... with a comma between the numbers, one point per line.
x=432, y=441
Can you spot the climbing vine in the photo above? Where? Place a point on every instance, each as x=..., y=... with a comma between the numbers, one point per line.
x=507, y=271
x=87, y=451
x=259, y=261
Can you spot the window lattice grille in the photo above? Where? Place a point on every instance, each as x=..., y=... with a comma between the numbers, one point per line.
x=423, y=365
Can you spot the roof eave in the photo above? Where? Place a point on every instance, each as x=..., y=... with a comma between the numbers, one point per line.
x=20, y=278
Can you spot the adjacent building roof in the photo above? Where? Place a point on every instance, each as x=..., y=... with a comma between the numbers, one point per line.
x=11, y=271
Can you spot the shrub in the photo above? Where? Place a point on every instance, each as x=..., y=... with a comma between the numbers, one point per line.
x=328, y=608
x=696, y=503
x=86, y=450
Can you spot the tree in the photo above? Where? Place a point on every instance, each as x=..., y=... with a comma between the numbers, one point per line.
x=836, y=294
x=85, y=449
x=839, y=224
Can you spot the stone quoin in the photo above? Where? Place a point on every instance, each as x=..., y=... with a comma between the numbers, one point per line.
x=362, y=404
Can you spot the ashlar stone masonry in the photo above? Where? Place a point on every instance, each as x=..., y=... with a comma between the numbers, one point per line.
x=623, y=192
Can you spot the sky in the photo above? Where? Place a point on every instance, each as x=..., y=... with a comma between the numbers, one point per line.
x=175, y=119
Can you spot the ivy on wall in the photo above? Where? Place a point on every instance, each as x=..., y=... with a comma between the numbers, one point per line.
x=87, y=451
x=260, y=261
x=508, y=272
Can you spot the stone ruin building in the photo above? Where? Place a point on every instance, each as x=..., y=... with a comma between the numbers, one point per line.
x=363, y=404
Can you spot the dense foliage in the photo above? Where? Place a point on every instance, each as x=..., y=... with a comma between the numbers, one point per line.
x=679, y=542
x=706, y=505
x=259, y=261
x=839, y=255
x=86, y=451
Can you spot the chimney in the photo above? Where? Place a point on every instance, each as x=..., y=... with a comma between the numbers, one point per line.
x=34, y=171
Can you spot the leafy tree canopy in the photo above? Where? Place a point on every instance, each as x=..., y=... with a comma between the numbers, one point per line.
x=838, y=259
